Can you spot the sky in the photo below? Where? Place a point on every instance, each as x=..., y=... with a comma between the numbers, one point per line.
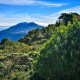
x=42, y=12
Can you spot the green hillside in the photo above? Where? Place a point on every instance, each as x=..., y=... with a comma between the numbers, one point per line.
x=38, y=36
x=50, y=53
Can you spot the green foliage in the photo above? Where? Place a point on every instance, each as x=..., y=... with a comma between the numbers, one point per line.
x=65, y=18
x=2, y=65
x=38, y=36
x=17, y=66
x=60, y=56
x=16, y=60
x=15, y=47
x=5, y=41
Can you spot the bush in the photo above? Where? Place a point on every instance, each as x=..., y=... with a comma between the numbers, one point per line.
x=60, y=56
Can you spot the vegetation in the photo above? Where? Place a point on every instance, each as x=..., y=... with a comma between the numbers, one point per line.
x=16, y=60
x=38, y=36
x=50, y=53
x=60, y=56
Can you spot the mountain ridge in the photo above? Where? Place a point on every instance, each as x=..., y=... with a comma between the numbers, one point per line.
x=19, y=30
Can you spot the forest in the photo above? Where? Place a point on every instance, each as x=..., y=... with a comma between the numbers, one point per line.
x=50, y=53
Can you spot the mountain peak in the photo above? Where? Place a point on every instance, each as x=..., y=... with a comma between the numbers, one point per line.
x=22, y=23
x=19, y=30
x=26, y=23
x=32, y=23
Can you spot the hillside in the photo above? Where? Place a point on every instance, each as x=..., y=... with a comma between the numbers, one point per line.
x=60, y=56
x=38, y=36
x=3, y=27
x=18, y=31
x=50, y=53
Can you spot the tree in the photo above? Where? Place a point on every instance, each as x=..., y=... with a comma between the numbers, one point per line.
x=66, y=17
x=37, y=35
x=4, y=41
x=60, y=56
x=21, y=40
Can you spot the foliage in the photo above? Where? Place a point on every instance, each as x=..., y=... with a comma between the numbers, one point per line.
x=16, y=60
x=65, y=18
x=60, y=56
x=58, y=59
x=38, y=35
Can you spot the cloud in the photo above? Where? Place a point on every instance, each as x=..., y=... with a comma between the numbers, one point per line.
x=53, y=17
x=9, y=20
x=74, y=9
x=31, y=2
x=17, y=2
x=50, y=4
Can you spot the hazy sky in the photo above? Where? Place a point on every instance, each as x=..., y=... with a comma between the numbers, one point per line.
x=43, y=12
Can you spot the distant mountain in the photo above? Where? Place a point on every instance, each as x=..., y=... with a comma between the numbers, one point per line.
x=3, y=27
x=18, y=31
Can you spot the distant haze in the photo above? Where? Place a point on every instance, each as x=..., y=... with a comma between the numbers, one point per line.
x=3, y=27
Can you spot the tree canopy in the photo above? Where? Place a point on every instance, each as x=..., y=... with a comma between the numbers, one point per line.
x=60, y=56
